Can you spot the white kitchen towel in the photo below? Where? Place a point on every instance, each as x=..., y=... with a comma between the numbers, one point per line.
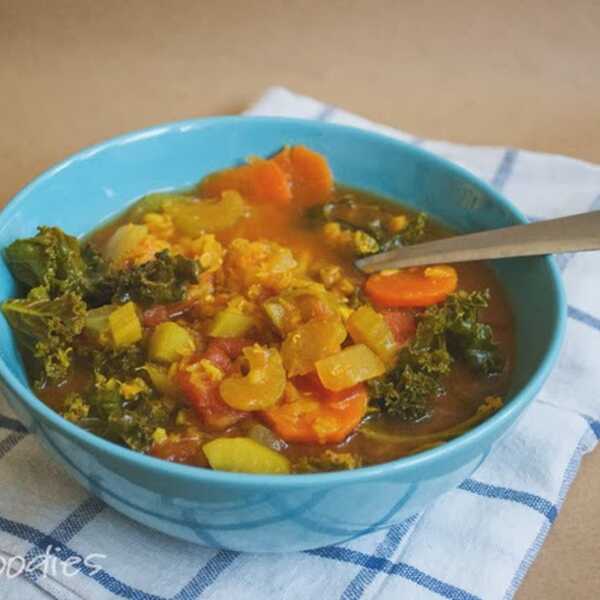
x=478, y=541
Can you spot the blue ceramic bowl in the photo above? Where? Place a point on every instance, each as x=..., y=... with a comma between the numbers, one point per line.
x=273, y=513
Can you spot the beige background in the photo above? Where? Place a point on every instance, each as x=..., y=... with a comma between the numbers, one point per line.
x=520, y=73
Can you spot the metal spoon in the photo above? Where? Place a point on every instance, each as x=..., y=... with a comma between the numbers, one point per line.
x=567, y=234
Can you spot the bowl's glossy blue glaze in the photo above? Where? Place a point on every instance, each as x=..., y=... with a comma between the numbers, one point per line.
x=273, y=513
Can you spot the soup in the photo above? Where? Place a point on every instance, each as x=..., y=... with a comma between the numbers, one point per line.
x=227, y=327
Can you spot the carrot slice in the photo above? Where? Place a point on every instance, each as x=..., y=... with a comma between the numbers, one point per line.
x=260, y=181
x=309, y=173
x=310, y=414
x=416, y=287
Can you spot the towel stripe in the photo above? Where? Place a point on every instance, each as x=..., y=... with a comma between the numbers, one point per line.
x=486, y=490
x=383, y=565
x=9, y=442
x=584, y=317
x=207, y=575
x=63, y=552
x=385, y=549
x=12, y=424
x=505, y=168
x=68, y=528
x=568, y=477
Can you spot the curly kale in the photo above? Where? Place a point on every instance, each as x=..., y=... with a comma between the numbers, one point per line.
x=124, y=412
x=57, y=262
x=159, y=281
x=51, y=259
x=126, y=361
x=405, y=392
x=327, y=461
x=45, y=329
x=445, y=332
x=371, y=222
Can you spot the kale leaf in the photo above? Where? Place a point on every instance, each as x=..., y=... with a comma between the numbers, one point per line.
x=45, y=329
x=123, y=412
x=371, y=222
x=159, y=281
x=51, y=259
x=445, y=332
x=327, y=461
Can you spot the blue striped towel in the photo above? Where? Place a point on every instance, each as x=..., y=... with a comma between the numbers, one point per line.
x=475, y=542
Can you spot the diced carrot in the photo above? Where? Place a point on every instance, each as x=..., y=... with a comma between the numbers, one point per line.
x=310, y=414
x=261, y=181
x=309, y=173
x=415, y=287
x=402, y=323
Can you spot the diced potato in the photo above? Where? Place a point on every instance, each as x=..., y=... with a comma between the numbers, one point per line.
x=367, y=326
x=125, y=325
x=230, y=323
x=244, y=455
x=349, y=367
x=195, y=217
x=124, y=241
x=170, y=342
x=310, y=342
x=159, y=375
x=262, y=387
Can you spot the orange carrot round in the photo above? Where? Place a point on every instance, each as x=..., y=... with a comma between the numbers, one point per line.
x=309, y=173
x=415, y=287
x=260, y=181
x=316, y=415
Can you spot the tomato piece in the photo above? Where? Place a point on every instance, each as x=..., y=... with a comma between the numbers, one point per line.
x=160, y=313
x=414, y=287
x=402, y=324
x=177, y=450
x=201, y=388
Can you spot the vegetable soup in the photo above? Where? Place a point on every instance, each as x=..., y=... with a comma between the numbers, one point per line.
x=227, y=327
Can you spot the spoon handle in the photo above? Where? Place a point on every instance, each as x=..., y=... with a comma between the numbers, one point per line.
x=567, y=234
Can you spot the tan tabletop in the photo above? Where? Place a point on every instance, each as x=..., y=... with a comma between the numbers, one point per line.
x=524, y=74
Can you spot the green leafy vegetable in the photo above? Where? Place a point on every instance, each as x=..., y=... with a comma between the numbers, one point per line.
x=110, y=362
x=46, y=329
x=405, y=392
x=372, y=221
x=489, y=406
x=445, y=332
x=124, y=412
x=326, y=462
x=159, y=281
x=51, y=259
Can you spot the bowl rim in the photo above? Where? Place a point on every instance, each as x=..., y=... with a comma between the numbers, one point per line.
x=197, y=475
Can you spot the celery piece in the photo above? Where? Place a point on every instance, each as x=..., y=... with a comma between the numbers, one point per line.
x=170, y=342
x=159, y=375
x=97, y=325
x=244, y=455
x=230, y=324
x=367, y=326
x=125, y=326
x=195, y=217
x=349, y=367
